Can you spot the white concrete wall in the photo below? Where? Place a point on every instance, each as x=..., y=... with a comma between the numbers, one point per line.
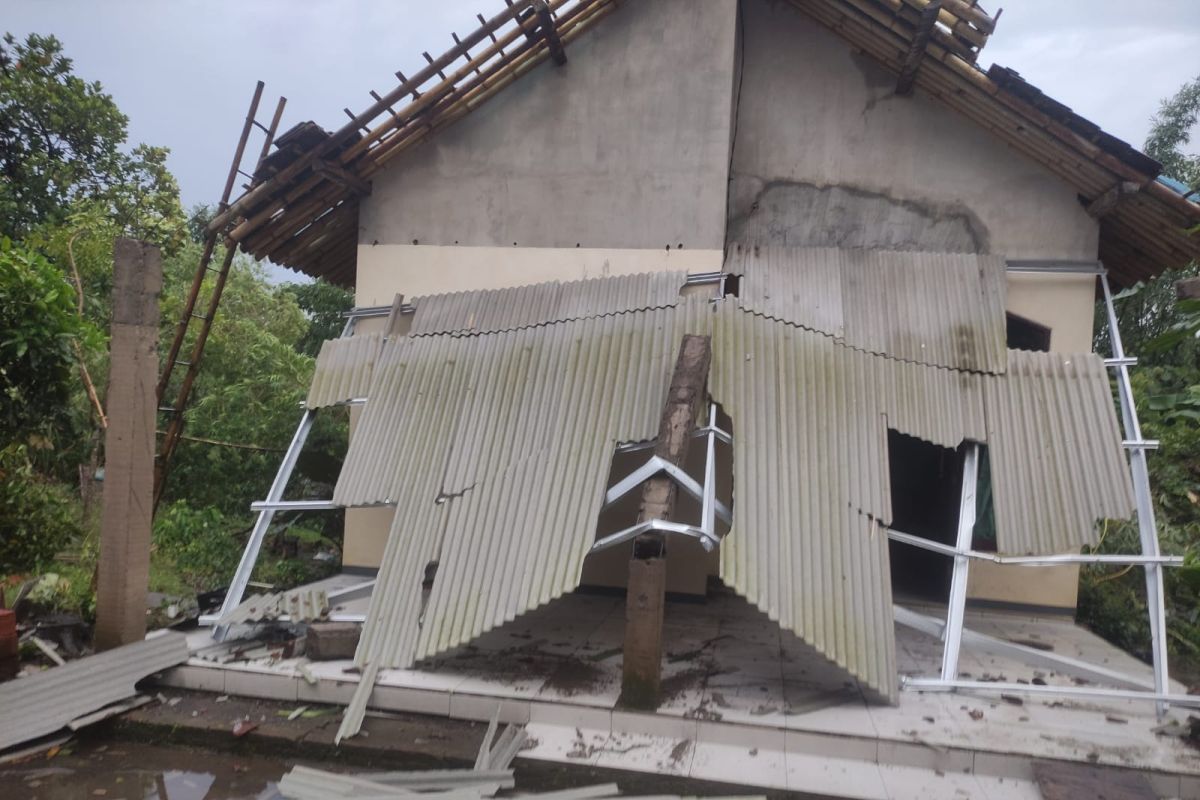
x=827, y=154
x=626, y=146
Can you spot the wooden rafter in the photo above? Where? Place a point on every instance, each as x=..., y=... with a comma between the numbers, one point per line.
x=916, y=48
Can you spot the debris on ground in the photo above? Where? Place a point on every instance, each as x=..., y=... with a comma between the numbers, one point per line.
x=242, y=727
x=51, y=699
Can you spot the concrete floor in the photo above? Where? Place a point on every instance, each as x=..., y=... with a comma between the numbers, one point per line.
x=748, y=703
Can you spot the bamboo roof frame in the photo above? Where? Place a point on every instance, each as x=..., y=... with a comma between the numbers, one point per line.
x=305, y=215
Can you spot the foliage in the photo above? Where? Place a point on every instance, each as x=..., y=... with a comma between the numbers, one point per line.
x=38, y=323
x=248, y=392
x=203, y=543
x=60, y=151
x=37, y=516
x=1170, y=131
x=1166, y=384
x=323, y=304
x=69, y=187
x=198, y=219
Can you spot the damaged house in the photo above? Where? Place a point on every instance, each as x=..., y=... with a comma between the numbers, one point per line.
x=886, y=259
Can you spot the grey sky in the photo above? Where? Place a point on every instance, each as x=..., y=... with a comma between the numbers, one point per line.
x=183, y=70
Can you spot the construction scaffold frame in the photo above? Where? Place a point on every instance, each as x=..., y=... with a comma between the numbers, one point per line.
x=951, y=631
x=1151, y=559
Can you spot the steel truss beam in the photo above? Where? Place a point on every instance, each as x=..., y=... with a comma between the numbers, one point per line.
x=710, y=506
x=1151, y=558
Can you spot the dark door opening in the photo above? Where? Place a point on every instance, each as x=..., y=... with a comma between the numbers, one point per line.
x=926, y=489
x=1025, y=334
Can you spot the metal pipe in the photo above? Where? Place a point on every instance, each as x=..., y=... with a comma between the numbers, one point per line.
x=990, y=645
x=1032, y=561
x=237, y=587
x=1147, y=527
x=938, y=684
x=708, y=505
x=1057, y=267
x=294, y=505
x=958, y=582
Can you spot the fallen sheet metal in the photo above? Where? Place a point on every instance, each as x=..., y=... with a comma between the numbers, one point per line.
x=343, y=369
x=940, y=309
x=298, y=605
x=495, y=310
x=47, y=701
x=1055, y=451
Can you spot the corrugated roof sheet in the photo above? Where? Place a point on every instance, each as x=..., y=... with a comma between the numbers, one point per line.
x=46, y=701
x=543, y=303
x=1056, y=456
x=941, y=309
x=343, y=370
x=496, y=450
x=300, y=605
x=810, y=420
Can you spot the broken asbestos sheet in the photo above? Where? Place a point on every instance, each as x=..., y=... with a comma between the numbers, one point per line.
x=48, y=701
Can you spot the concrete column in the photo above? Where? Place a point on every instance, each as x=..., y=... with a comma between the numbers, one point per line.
x=125, y=523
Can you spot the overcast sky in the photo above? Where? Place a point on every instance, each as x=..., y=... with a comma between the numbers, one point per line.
x=184, y=70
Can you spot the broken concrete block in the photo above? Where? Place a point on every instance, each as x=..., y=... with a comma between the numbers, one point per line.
x=330, y=641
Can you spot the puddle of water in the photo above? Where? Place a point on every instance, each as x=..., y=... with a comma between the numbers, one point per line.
x=133, y=771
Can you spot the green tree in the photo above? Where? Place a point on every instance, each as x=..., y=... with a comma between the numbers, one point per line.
x=61, y=141
x=1161, y=332
x=38, y=323
x=323, y=304
x=1170, y=132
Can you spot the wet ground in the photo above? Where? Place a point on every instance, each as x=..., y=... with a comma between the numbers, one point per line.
x=135, y=771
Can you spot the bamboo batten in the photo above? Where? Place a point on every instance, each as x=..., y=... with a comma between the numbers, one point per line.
x=306, y=215
x=284, y=228
x=1153, y=223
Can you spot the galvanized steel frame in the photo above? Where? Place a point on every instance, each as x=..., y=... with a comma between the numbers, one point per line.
x=266, y=514
x=711, y=507
x=1151, y=558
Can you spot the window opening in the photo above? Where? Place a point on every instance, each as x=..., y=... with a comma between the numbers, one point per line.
x=1025, y=334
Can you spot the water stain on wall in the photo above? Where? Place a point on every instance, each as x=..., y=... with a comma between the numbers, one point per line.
x=796, y=214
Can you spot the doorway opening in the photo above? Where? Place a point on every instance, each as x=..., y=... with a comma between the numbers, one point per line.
x=926, y=483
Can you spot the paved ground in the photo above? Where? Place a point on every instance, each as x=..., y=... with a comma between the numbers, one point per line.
x=744, y=698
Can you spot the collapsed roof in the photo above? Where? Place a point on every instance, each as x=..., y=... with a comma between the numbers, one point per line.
x=492, y=426
x=301, y=209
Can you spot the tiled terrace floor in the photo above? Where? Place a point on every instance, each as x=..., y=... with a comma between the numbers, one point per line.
x=749, y=703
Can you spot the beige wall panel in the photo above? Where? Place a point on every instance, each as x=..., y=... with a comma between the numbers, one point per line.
x=1057, y=587
x=366, y=536
x=1063, y=303
x=414, y=270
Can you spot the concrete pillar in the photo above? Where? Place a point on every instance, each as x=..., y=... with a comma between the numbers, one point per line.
x=124, y=569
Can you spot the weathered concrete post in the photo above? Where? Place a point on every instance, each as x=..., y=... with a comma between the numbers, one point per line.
x=124, y=569
x=644, y=599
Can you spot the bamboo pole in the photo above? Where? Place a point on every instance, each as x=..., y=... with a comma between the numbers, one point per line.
x=289, y=223
x=339, y=137
x=189, y=305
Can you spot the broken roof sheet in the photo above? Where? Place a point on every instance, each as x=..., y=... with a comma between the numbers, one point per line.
x=941, y=309
x=1055, y=452
x=45, y=702
x=495, y=449
x=343, y=369
x=496, y=310
x=497, y=466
